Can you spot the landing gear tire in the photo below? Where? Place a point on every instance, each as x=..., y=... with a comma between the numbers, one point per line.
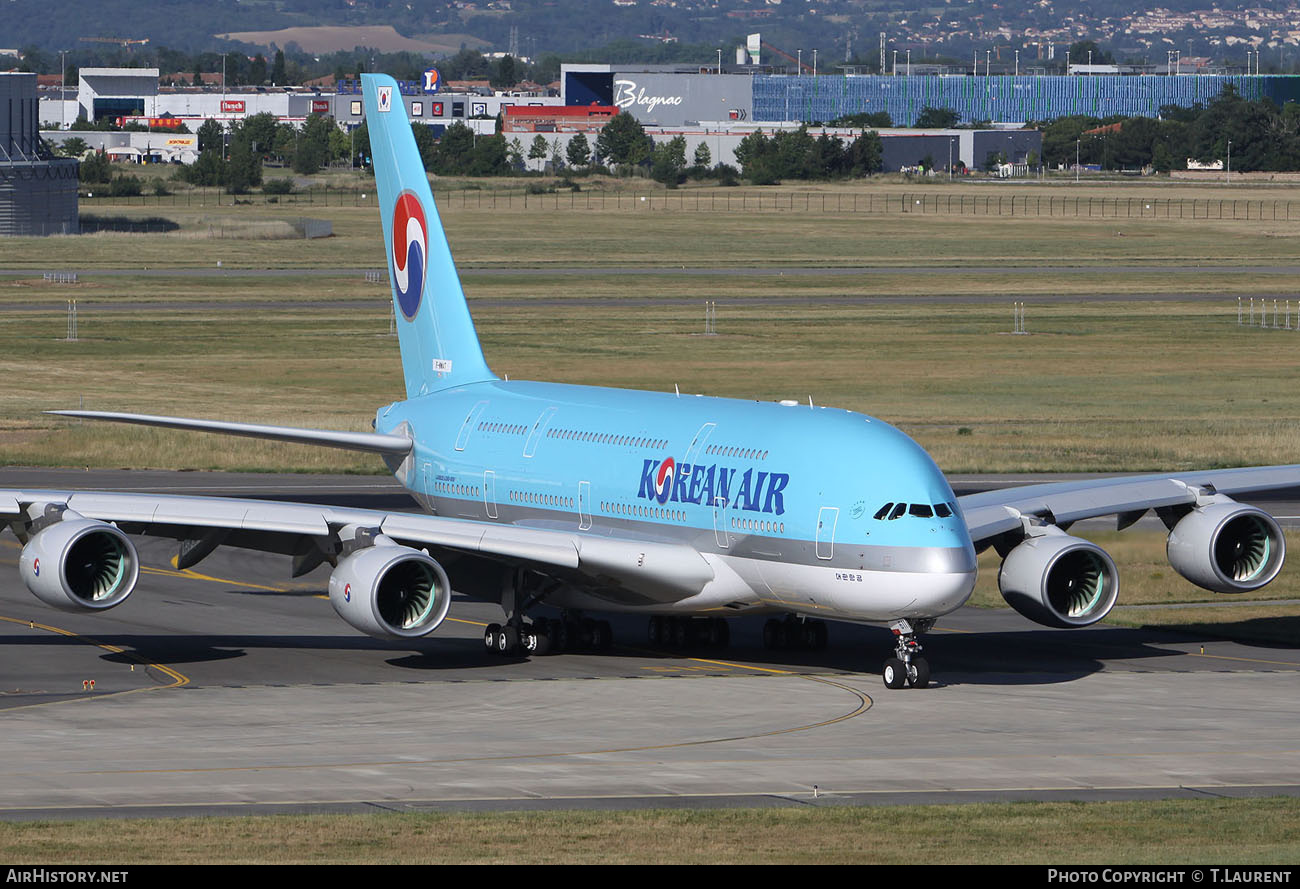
x=918, y=673
x=508, y=641
x=535, y=642
x=895, y=673
x=490, y=637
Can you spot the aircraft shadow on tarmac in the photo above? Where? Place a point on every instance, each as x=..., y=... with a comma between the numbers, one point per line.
x=1029, y=657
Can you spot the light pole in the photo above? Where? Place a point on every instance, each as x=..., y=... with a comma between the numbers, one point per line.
x=719, y=61
x=894, y=71
x=63, y=53
x=1076, y=161
x=814, y=63
x=1228, y=177
x=950, y=158
x=909, y=63
x=1017, y=63
x=798, y=62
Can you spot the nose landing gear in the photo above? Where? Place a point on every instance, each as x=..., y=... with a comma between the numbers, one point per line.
x=907, y=667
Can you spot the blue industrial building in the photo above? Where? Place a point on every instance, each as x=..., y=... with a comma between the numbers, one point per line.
x=1001, y=98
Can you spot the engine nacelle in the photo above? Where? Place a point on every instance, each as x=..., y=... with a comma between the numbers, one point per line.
x=388, y=590
x=1227, y=547
x=80, y=564
x=1059, y=581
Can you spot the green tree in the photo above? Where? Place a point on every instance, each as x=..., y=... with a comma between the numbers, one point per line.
x=539, y=150
x=866, y=119
x=278, y=73
x=578, y=152
x=668, y=163
x=425, y=144
x=1083, y=50
x=624, y=141
x=866, y=154
x=260, y=129
x=211, y=135
x=209, y=169
x=74, y=147
x=312, y=149
x=257, y=70
x=454, y=149
x=702, y=157
x=489, y=156
x=932, y=118
x=96, y=169
x=505, y=73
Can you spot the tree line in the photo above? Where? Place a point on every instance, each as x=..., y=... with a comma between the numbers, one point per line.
x=1262, y=136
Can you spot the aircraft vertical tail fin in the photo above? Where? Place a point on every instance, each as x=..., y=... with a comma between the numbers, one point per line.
x=440, y=347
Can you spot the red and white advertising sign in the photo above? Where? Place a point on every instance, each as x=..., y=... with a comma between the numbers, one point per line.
x=232, y=106
x=320, y=106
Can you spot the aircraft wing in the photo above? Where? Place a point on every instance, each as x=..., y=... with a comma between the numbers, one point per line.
x=992, y=513
x=313, y=534
x=373, y=442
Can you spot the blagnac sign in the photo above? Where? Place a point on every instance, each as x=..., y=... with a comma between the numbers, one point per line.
x=628, y=95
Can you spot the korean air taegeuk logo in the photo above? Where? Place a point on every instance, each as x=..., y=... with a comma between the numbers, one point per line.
x=410, y=252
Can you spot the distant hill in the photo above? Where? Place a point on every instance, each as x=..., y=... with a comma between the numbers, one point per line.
x=332, y=38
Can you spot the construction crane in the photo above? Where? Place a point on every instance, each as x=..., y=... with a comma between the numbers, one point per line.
x=785, y=55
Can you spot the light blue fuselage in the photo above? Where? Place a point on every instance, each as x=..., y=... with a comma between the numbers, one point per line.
x=786, y=494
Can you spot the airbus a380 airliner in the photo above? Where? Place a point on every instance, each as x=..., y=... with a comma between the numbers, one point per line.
x=682, y=508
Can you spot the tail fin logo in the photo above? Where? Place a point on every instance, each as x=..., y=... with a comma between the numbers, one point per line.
x=410, y=253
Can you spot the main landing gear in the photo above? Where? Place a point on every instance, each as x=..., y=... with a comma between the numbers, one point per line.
x=682, y=633
x=543, y=636
x=907, y=667
x=520, y=591
x=795, y=633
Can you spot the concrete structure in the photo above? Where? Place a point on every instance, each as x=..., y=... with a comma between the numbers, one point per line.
x=38, y=192
x=664, y=95
x=153, y=148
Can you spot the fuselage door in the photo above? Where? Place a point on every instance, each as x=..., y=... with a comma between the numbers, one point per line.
x=697, y=444
x=720, y=522
x=584, y=505
x=424, y=486
x=490, y=493
x=538, y=431
x=827, y=517
x=471, y=419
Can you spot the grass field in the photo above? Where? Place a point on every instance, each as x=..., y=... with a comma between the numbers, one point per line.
x=1109, y=384
x=1220, y=831
x=1096, y=386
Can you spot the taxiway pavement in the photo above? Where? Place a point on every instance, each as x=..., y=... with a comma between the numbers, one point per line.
x=230, y=688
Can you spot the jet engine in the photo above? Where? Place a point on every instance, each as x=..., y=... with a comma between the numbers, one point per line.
x=1058, y=580
x=80, y=564
x=388, y=590
x=1227, y=547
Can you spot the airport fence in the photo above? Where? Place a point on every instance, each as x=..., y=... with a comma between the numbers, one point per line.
x=730, y=200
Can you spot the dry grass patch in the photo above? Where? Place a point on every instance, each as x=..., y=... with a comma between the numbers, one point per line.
x=1223, y=831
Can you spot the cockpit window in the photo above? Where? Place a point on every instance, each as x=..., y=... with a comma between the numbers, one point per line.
x=921, y=511
x=898, y=511
x=883, y=511
x=942, y=510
